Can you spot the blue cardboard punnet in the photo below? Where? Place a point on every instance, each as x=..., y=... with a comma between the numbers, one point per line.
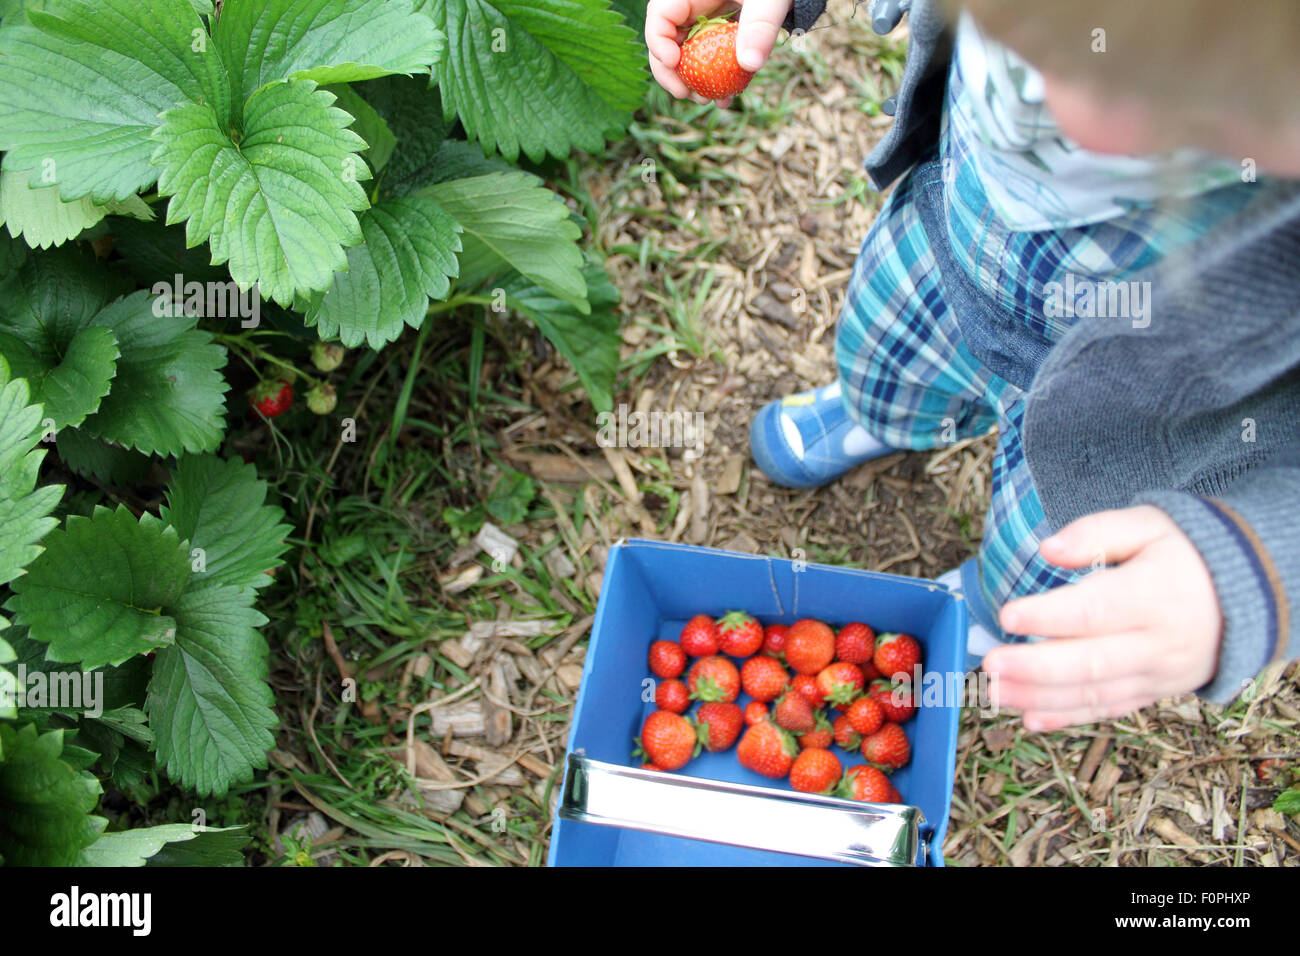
x=652, y=588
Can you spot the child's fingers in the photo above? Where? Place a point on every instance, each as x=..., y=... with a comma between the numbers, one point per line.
x=1046, y=721
x=663, y=19
x=1102, y=603
x=1085, y=660
x=668, y=79
x=1043, y=698
x=1106, y=537
x=760, y=25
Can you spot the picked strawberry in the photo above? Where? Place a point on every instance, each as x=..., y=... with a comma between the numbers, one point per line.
x=821, y=736
x=713, y=679
x=754, y=712
x=793, y=712
x=855, y=643
x=845, y=734
x=672, y=695
x=763, y=678
x=896, y=655
x=809, y=646
x=897, y=703
x=708, y=64
x=271, y=398
x=653, y=766
x=865, y=715
x=739, y=634
x=667, y=740
x=887, y=748
x=774, y=640
x=806, y=684
x=719, y=725
x=815, y=770
x=867, y=783
x=840, y=682
x=767, y=749
x=699, y=638
x=667, y=659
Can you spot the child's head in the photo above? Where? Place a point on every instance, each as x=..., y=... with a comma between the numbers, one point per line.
x=1142, y=76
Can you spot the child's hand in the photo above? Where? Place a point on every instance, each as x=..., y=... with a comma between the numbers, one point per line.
x=1119, y=639
x=668, y=21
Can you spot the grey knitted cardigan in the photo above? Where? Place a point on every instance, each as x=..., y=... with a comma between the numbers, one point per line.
x=1197, y=413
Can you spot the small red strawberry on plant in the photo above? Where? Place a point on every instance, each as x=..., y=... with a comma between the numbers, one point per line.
x=897, y=702
x=667, y=659
x=840, y=682
x=793, y=712
x=719, y=725
x=708, y=63
x=821, y=736
x=809, y=646
x=865, y=715
x=896, y=655
x=672, y=695
x=815, y=770
x=763, y=678
x=774, y=640
x=767, y=749
x=845, y=734
x=806, y=684
x=867, y=783
x=714, y=679
x=667, y=740
x=271, y=398
x=754, y=712
x=855, y=643
x=699, y=638
x=739, y=634
x=887, y=748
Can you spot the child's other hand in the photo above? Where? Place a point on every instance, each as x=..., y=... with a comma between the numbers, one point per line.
x=1122, y=637
x=668, y=21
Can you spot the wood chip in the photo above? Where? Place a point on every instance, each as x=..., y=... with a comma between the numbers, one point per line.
x=998, y=739
x=496, y=714
x=500, y=546
x=728, y=482
x=1092, y=758
x=454, y=652
x=464, y=718
x=1168, y=831
x=1108, y=774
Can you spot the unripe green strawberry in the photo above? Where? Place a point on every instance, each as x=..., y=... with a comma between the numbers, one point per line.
x=327, y=356
x=708, y=64
x=321, y=399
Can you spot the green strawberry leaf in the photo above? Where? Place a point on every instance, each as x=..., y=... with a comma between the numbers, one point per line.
x=209, y=705
x=543, y=76
x=590, y=342
x=45, y=800
x=512, y=221
x=220, y=507
x=280, y=205
x=329, y=41
x=168, y=395
x=1288, y=802
x=407, y=258
x=369, y=125
x=210, y=847
x=82, y=84
x=412, y=111
x=24, y=509
x=66, y=599
x=94, y=458
x=43, y=219
x=138, y=847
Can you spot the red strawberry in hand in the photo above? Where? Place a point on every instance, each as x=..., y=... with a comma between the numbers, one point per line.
x=714, y=679
x=271, y=398
x=667, y=659
x=763, y=678
x=719, y=725
x=708, y=63
x=887, y=748
x=767, y=749
x=896, y=655
x=739, y=634
x=815, y=771
x=672, y=695
x=699, y=638
x=667, y=740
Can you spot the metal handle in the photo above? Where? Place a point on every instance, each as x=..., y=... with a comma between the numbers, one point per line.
x=825, y=828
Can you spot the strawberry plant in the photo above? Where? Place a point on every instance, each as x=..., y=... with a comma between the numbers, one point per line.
x=345, y=169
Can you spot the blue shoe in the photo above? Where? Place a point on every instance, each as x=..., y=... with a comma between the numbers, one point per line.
x=807, y=440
